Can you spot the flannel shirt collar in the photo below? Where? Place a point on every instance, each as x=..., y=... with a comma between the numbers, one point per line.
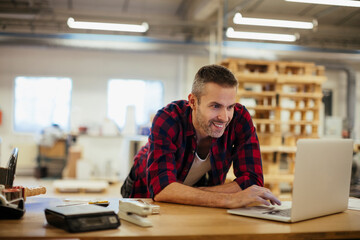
x=190, y=130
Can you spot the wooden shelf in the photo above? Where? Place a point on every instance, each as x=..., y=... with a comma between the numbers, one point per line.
x=295, y=95
x=300, y=136
x=266, y=121
x=275, y=108
x=279, y=78
x=256, y=77
x=301, y=95
x=302, y=122
x=268, y=134
x=281, y=149
x=300, y=79
x=305, y=109
x=253, y=94
x=278, y=178
x=262, y=108
x=272, y=79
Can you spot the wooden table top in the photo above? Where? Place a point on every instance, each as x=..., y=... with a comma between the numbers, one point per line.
x=185, y=222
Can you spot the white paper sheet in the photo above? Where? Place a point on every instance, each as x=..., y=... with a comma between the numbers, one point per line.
x=354, y=204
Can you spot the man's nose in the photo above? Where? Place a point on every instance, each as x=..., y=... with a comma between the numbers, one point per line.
x=223, y=115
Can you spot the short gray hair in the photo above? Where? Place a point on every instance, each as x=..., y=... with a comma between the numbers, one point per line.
x=215, y=74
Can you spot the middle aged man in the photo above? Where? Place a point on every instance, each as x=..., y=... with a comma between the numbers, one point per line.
x=192, y=145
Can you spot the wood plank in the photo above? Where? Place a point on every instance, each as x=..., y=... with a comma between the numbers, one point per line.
x=253, y=94
x=278, y=178
x=305, y=80
x=301, y=95
x=304, y=109
x=179, y=222
x=262, y=108
x=300, y=79
x=282, y=149
x=256, y=77
x=302, y=122
x=265, y=121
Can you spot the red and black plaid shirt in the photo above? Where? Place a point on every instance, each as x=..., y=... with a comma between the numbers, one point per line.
x=169, y=153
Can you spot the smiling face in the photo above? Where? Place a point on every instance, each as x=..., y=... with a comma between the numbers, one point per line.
x=214, y=111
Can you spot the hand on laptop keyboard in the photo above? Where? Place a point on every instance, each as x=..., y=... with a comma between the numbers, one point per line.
x=254, y=195
x=283, y=212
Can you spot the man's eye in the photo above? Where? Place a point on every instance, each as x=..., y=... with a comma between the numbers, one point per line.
x=216, y=106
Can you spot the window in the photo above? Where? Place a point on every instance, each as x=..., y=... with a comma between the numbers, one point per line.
x=41, y=102
x=145, y=96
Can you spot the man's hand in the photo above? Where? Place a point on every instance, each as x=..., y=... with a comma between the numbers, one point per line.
x=252, y=195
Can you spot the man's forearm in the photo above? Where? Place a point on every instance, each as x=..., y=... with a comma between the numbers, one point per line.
x=223, y=188
x=180, y=193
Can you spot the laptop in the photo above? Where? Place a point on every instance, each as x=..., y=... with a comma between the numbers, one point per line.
x=321, y=183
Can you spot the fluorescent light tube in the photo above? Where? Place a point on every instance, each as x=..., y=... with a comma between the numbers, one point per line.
x=343, y=3
x=230, y=33
x=239, y=19
x=107, y=26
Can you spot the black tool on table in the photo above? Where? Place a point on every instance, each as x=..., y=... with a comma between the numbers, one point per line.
x=11, y=206
x=82, y=218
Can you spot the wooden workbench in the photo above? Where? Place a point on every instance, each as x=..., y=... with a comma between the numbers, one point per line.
x=185, y=222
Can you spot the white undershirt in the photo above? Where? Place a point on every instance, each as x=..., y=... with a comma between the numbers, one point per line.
x=198, y=168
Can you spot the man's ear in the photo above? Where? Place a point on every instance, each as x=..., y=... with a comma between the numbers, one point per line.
x=192, y=100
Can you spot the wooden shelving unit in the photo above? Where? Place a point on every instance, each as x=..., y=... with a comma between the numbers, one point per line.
x=284, y=101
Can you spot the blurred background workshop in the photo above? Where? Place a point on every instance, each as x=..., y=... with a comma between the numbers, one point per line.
x=77, y=98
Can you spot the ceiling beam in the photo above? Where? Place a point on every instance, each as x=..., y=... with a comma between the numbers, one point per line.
x=125, y=6
x=204, y=9
x=347, y=18
x=237, y=8
x=183, y=9
x=306, y=9
x=70, y=4
x=255, y=5
x=325, y=12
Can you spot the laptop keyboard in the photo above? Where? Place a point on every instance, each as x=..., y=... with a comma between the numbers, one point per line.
x=283, y=212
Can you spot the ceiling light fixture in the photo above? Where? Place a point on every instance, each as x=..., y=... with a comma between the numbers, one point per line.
x=107, y=26
x=239, y=19
x=231, y=33
x=343, y=3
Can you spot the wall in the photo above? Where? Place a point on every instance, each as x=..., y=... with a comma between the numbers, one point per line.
x=337, y=82
x=90, y=70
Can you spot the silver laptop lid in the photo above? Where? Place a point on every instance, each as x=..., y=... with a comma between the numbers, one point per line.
x=322, y=177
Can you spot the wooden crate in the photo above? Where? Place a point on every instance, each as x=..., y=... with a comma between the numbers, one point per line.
x=269, y=84
x=249, y=66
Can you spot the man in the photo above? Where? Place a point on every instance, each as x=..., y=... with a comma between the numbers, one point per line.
x=192, y=145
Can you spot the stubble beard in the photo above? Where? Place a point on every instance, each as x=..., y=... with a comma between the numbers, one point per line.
x=207, y=126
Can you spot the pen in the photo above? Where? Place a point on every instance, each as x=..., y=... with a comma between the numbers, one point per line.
x=103, y=203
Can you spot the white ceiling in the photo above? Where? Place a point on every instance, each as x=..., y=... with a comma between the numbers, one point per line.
x=181, y=20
